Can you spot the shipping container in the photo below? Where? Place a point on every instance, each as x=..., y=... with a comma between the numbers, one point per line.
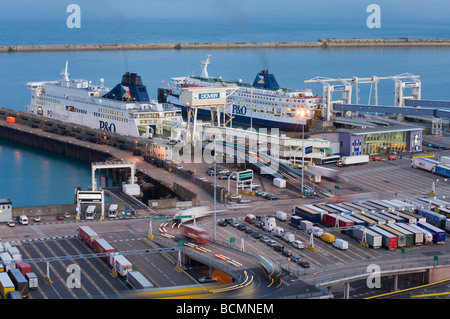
x=397, y=204
x=280, y=215
x=356, y=221
x=427, y=236
x=328, y=238
x=6, y=284
x=418, y=235
x=401, y=237
x=347, y=209
x=368, y=221
x=14, y=253
x=339, y=209
x=409, y=207
x=418, y=203
x=19, y=281
x=425, y=164
x=101, y=246
x=379, y=220
x=7, y=261
x=433, y=218
x=295, y=221
x=410, y=240
x=369, y=209
x=442, y=170
x=306, y=225
x=409, y=217
x=367, y=236
x=334, y=220
x=138, y=281
x=433, y=202
x=308, y=214
x=328, y=209
x=353, y=160
x=375, y=205
x=23, y=267
x=10, y=119
x=389, y=240
x=387, y=206
x=355, y=208
x=120, y=264
x=393, y=216
x=316, y=209
x=87, y=235
x=387, y=216
x=438, y=234
x=443, y=211
x=32, y=280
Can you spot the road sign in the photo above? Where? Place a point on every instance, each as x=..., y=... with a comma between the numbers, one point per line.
x=337, y=187
x=232, y=240
x=160, y=217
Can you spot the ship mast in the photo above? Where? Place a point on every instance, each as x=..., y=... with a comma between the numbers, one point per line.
x=65, y=73
x=204, y=67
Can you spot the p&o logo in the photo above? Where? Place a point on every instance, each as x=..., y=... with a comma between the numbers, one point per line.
x=107, y=127
x=239, y=110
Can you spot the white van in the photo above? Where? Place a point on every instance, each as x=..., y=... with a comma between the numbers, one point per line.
x=112, y=210
x=340, y=244
x=90, y=212
x=298, y=244
x=316, y=231
x=23, y=219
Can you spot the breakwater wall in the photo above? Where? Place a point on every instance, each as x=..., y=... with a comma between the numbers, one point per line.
x=320, y=43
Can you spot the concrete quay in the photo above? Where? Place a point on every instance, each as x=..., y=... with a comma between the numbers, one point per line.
x=320, y=43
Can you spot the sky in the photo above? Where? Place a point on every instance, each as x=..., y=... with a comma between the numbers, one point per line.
x=224, y=9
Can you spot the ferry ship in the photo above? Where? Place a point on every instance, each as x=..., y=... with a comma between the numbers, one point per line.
x=125, y=109
x=262, y=104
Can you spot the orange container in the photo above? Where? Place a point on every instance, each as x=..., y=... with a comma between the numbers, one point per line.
x=10, y=119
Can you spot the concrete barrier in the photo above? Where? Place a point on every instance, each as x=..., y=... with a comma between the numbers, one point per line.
x=320, y=43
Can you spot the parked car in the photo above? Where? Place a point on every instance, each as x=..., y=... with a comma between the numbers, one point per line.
x=229, y=220
x=67, y=215
x=258, y=223
x=303, y=263
x=278, y=247
x=377, y=158
x=234, y=224
x=234, y=196
x=261, y=193
x=256, y=234
x=244, y=201
x=295, y=259
x=298, y=244
x=60, y=217
x=271, y=242
x=22, y=219
x=222, y=223
x=241, y=227
x=37, y=218
x=11, y=223
x=271, y=197
x=392, y=157
x=206, y=279
x=264, y=239
x=249, y=230
x=287, y=253
x=224, y=176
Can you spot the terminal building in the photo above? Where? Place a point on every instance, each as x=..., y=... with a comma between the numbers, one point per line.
x=374, y=141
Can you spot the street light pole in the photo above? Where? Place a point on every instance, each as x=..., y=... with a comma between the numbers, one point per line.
x=215, y=185
x=303, y=152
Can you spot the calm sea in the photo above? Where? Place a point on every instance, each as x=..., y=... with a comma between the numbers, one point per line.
x=30, y=177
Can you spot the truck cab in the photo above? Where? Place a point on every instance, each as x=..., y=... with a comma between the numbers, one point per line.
x=90, y=212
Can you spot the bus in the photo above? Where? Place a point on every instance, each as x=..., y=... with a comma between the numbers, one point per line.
x=329, y=160
x=90, y=212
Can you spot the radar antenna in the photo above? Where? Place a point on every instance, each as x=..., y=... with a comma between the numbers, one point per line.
x=205, y=66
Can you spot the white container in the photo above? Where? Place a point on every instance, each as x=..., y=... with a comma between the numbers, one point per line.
x=306, y=225
x=278, y=231
x=288, y=237
x=279, y=182
x=131, y=189
x=280, y=215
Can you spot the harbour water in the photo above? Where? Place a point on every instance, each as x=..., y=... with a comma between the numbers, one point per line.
x=30, y=177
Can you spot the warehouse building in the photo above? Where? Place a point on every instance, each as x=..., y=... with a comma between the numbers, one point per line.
x=5, y=210
x=374, y=141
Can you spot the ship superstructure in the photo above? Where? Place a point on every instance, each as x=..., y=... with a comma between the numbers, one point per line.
x=126, y=109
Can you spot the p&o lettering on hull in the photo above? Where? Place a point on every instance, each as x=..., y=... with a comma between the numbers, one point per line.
x=107, y=127
x=239, y=110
